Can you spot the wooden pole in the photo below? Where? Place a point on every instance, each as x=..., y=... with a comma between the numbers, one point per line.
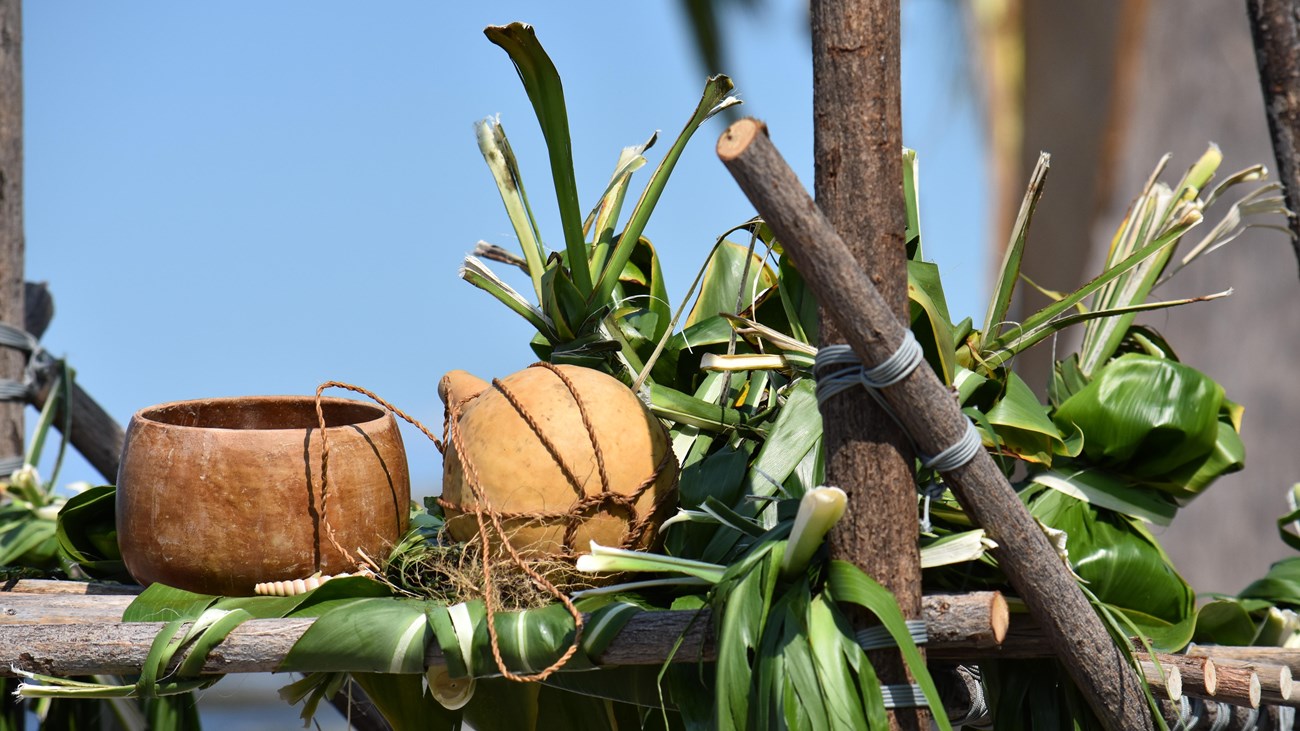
x=12, y=361
x=1198, y=674
x=1288, y=656
x=1275, y=27
x=931, y=414
x=857, y=146
x=95, y=434
x=1238, y=685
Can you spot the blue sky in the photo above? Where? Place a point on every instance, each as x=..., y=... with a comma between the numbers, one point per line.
x=243, y=198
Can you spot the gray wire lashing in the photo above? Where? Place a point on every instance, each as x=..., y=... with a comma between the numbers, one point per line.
x=904, y=696
x=877, y=637
x=38, y=360
x=849, y=372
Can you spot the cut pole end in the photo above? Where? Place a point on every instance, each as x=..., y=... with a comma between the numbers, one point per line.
x=999, y=617
x=738, y=137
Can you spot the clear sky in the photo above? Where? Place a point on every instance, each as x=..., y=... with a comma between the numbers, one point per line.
x=253, y=198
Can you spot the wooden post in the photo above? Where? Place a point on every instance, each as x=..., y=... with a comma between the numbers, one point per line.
x=12, y=361
x=857, y=144
x=931, y=414
x=1275, y=26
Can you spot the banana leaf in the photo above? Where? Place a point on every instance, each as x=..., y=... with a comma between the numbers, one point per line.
x=1111, y=492
x=379, y=635
x=1150, y=419
x=87, y=534
x=1024, y=428
x=1124, y=566
x=406, y=704
x=1225, y=622
x=1281, y=585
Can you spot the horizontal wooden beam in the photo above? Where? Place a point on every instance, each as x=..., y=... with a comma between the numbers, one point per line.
x=78, y=634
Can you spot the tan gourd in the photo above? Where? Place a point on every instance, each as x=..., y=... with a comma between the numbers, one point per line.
x=550, y=497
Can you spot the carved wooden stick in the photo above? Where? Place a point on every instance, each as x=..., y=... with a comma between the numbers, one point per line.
x=931, y=415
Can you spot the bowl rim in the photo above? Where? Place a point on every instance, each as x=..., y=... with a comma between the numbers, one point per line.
x=144, y=415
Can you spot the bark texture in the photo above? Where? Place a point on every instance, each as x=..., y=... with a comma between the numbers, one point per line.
x=1275, y=27
x=857, y=144
x=929, y=412
x=11, y=215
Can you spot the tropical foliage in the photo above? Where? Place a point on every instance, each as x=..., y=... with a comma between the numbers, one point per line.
x=1128, y=435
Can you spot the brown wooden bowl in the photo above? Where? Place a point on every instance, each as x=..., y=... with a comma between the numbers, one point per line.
x=216, y=495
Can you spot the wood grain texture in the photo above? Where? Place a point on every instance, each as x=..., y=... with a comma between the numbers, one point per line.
x=857, y=144
x=931, y=414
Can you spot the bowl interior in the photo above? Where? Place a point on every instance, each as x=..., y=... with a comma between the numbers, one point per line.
x=261, y=413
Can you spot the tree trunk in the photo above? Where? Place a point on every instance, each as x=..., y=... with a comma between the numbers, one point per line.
x=11, y=215
x=857, y=148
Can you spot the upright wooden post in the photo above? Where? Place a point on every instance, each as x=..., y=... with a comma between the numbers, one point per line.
x=1275, y=27
x=857, y=143
x=11, y=214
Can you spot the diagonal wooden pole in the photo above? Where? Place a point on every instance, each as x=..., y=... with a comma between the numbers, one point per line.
x=931, y=415
x=857, y=144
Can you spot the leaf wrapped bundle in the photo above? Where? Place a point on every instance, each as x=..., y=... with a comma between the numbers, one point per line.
x=1157, y=421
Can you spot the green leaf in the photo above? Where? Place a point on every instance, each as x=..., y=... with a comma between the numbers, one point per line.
x=1045, y=322
x=797, y=430
x=1023, y=426
x=671, y=404
x=723, y=287
x=1010, y=271
x=1225, y=622
x=87, y=534
x=826, y=632
x=542, y=82
x=375, y=635
x=744, y=602
x=1146, y=418
x=797, y=301
x=1281, y=585
x=162, y=603
x=478, y=274
x=649, y=292
x=713, y=100
x=912, y=205
x=501, y=161
x=929, y=318
x=405, y=703
x=847, y=583
x=1124, y=565
x=1111, y=492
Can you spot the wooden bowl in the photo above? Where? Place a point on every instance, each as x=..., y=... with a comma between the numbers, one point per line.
x=216, y=495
